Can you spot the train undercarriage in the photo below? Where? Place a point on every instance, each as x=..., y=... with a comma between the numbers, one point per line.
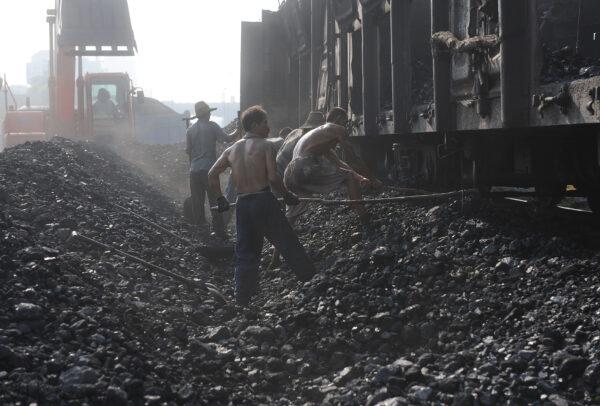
x=445, y=93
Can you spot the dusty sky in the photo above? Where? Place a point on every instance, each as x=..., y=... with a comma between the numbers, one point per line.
x=187, y=49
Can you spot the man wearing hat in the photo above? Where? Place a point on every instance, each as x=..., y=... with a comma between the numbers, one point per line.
x=201, y=147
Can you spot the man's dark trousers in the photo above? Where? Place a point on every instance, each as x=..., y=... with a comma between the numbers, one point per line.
x=199, y=189
x=258, y=216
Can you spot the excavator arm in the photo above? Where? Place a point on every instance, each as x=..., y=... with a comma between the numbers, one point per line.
x=84, y=28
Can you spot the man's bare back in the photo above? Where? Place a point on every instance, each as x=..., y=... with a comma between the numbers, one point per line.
x=258, y=213
x=252, y=163
x=320, y=141
x=249, y=159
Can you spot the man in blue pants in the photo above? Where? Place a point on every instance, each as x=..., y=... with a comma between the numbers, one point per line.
x=258, y=213
x=201, y=140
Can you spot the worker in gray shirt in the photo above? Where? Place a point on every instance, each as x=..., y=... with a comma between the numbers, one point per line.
x=201, y=147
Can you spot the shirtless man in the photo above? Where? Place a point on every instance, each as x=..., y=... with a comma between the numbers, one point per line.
x=258, y=213
x=316, y=169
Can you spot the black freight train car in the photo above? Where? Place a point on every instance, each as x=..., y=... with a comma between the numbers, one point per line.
x=452, y=93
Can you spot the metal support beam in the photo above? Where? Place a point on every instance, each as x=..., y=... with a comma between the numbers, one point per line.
x=80, y=96
x=400, y=26
x=518, y=23
x=252, y=68
x=5, y=94
x=51, y=19
x=342, y=69
x=316, y=44
x=65, y=94
x=331, y=57
x=370, y=65
x=304, y=94
x=442, y=67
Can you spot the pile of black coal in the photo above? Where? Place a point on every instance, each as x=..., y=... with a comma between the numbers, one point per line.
x=81, y=323
x=457, y=303
x=564, y=64
x=568, y=41
x=452, y=304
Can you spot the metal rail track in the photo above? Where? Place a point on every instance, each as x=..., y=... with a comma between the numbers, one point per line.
x=577, y=225
x=558, y=208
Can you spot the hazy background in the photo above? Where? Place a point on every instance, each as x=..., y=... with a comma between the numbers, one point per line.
x=187, y=49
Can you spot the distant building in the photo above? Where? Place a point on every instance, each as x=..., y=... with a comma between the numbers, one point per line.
x=38, y=67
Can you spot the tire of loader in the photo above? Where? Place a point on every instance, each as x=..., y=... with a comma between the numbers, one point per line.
x=187, y=210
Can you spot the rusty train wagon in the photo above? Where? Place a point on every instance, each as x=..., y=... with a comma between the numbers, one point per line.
x=442, y=93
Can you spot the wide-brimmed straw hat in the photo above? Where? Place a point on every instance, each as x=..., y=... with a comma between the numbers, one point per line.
x=203, y=108
x=314, y=120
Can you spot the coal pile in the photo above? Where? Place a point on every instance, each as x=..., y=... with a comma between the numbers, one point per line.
x=453, y=304
x=566, y=34
x=564, y=64
x=80, y=323
x=460, y=303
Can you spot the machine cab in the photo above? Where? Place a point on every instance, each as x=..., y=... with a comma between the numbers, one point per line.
x=109, y=111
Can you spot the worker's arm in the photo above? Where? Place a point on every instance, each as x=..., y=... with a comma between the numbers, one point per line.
x=275, y=180
x=334, y=159
x=341, y=135
x=231, y=137
x=217, y=169
x=355, y=162
x=235, y=135
x=338, y=133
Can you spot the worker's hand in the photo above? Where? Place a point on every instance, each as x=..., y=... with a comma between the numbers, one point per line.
x=362, y=181
x=291, y=199
x=222, y=204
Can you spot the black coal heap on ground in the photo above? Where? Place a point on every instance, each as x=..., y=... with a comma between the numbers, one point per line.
x=564, y=65
x=462, y=303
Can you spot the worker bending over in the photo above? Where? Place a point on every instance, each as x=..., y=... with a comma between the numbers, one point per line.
x=286, y=150
x=285, y=154
x=258, y=213
x=316, y=169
